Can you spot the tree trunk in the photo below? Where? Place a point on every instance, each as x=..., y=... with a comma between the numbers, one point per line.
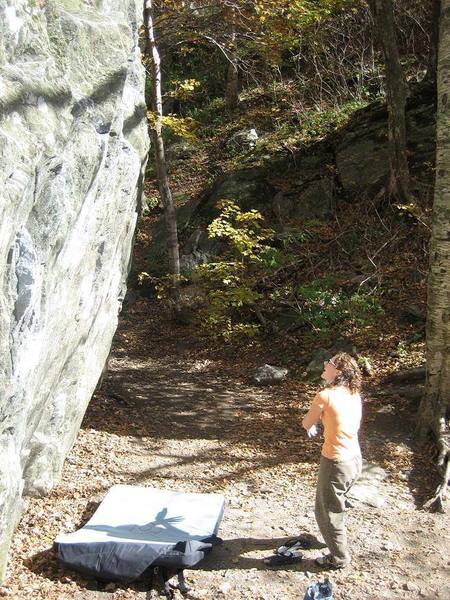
x=434, y=39
x=232, y=84
x=232, y=87
x=160, y=160
x=383, y=14
x=434, y=410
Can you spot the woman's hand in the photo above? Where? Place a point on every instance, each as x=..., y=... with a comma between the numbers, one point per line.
x=312, y=431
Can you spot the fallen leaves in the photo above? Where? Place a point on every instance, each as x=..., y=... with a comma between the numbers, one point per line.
x=193, y=421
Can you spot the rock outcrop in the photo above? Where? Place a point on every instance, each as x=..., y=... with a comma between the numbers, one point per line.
x=73, y=145
x=347, y=166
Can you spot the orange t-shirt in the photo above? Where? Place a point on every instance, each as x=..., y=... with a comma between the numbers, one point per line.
x=340, y=411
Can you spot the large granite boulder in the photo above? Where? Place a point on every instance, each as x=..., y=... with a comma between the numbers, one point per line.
x=249, y=188
x=73, y=143
x=362, y=154
x=362, y=158
x=313, y=200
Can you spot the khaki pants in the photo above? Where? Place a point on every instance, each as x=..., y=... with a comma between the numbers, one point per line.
x=335, y=480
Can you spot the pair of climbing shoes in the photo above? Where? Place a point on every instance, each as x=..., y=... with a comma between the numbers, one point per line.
x=288, y=553
x=305, y=541
x=291, y=551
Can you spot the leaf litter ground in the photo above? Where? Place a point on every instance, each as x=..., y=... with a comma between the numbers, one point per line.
x=177, y=413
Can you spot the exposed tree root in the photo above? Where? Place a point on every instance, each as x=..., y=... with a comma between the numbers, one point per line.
x=436, y=503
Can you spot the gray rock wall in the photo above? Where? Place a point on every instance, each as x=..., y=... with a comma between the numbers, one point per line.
x=73, y=145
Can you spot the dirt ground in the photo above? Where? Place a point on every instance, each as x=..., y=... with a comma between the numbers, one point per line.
x=172, y=414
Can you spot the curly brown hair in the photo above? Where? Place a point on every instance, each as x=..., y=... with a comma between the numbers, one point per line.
x=349, y=373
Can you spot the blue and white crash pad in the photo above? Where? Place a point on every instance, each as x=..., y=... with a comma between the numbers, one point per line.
x=136, y=527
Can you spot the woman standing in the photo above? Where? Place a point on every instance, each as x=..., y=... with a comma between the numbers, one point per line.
x=338, y=405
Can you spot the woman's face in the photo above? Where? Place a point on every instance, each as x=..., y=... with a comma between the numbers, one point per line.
x=329, y=370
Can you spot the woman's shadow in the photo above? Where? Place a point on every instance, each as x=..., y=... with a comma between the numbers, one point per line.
x=233, y=554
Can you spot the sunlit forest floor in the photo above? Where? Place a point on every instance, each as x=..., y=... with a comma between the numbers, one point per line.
x=178, y=413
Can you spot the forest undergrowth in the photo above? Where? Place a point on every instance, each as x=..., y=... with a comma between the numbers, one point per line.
x=366, y=259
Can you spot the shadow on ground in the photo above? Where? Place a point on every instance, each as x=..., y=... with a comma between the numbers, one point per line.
x=389, y=429
x=154, y=393
x=231, y=554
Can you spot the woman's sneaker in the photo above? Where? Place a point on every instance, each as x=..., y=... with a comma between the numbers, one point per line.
x=328, y=562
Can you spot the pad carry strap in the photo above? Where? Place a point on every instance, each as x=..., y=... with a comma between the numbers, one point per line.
x=168, y=591
x=168, y=587
x=182, y=585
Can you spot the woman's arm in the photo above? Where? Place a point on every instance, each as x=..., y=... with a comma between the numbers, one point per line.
x=315, y=412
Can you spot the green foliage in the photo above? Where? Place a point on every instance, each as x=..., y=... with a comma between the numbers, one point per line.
x=216, y=120
x=288, y=247
x=363, y=308
x=230, y=284
x=283, y=129
x=195, y=74
x=318, y=123
x=180, y=127
x=273, y=258
x=243, y=230
x=211, y=114
x=232, y=290
x=402, y=349
x=232, y=293
x=282, y=24
x=229, y=294
x=323, y=304
x=151, y=202
x=184, y=89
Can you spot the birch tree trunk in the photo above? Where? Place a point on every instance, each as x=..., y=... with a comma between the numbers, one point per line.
x=434, y=410
x=232, y=85
x=160, y=160
x=383, y=14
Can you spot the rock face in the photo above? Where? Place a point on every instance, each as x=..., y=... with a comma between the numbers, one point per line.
x=362, y=160
x=73, y=144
